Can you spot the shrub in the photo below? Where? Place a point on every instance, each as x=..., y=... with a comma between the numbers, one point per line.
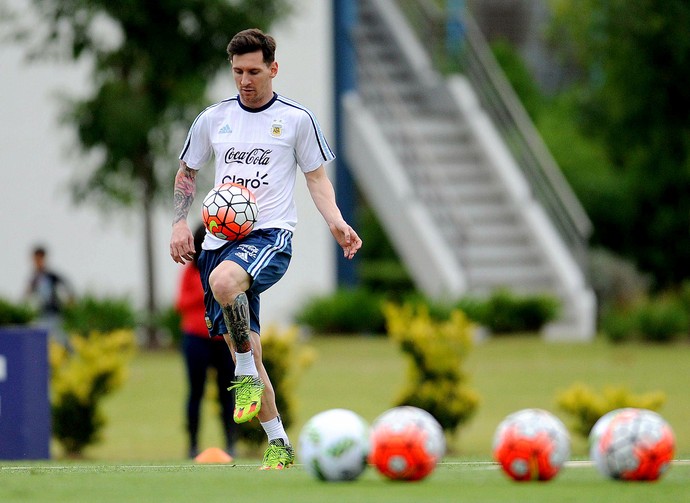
x=91, y=314
x=619, y=325
x=436, y=350
x=15, y=314
x=660, y=319
x=504, y=312
x=345, y=311
x=93, y=367
x=587, y=406
x=284, y=362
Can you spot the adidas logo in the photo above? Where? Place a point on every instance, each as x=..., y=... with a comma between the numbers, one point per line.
x=225, y=130
x=243, y=256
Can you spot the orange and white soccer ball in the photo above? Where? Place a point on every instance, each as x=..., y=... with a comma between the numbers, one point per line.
x=531, y=444
x=229, y=211
x=406, y=443
x=632, y=444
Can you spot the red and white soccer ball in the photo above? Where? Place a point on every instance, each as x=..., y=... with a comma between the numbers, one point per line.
x=531, y=444
x=229, y=211
x=632, y=444
x=334, y=444
x=406, y=443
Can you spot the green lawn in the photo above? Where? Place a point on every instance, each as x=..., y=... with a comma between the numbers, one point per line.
x=184, y=482
x=141, y=457
x=145, y=419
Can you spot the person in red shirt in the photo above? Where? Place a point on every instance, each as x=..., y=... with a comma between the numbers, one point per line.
x=202, y=352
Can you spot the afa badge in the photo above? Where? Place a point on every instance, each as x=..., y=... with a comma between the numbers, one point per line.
x=277, y=128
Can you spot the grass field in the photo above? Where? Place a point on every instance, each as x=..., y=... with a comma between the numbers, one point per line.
x=184, y=482
x=141, y=457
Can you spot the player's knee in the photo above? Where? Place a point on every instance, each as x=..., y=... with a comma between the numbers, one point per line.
x=224, y=285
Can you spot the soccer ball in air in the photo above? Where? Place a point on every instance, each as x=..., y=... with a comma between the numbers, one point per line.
x=531, y=444
x=229, y=211
x=632, y=444
x=406, y=443
x=334, y=444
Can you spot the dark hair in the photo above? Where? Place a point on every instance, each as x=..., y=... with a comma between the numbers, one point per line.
x=40, y=250
x=253, y=40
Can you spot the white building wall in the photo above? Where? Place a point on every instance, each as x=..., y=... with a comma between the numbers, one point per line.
x=104, y=254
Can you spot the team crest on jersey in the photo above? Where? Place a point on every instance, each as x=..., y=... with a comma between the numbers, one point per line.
x=277, y=128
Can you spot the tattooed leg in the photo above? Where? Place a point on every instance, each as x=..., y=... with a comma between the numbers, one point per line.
x=237, y=320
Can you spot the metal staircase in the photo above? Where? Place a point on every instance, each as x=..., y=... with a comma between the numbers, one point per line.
x=453, y=186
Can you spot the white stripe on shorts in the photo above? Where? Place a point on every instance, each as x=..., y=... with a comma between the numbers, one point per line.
x=268, y=253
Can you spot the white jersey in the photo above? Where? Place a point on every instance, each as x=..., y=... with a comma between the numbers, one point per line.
x=260, y=149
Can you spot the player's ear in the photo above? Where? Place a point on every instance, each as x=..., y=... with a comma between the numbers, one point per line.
x=273, y=69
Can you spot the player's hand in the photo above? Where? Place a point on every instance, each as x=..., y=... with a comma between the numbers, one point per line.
x=181, y=243
x=347, y=238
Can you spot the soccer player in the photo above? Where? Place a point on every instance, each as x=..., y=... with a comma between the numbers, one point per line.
x=258, y=139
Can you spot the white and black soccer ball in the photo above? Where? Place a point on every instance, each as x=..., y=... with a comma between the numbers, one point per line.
x=334, y=445
x=632, y=444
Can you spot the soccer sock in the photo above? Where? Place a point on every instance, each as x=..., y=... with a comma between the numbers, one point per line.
x=244, y=364
x=274, y=429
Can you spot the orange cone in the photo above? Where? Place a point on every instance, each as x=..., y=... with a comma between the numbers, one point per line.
x=213, y=455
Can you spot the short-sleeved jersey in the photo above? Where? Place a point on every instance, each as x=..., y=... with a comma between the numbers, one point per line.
x=261, y=149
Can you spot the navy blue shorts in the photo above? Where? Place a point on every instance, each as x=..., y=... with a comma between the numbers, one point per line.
x=265, y=254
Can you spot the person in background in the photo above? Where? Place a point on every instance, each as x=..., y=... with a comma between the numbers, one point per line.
x=48, y=292
x=201, y=353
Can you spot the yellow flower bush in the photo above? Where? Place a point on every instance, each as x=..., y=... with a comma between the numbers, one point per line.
x=81, y=376
x=436, y=380
x=587, y=406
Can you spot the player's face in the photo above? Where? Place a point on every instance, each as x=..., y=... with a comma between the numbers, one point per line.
x=254, y=80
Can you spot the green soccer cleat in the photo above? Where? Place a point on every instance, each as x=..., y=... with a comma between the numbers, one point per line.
x=278, y=456
x=248, y=390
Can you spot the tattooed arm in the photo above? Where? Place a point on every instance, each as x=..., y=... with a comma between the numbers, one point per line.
x=182, y=240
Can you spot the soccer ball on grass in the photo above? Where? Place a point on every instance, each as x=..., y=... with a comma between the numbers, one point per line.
x=531, y=444
x=229, y=211
x=406, y=443
x=632, y=444
x=334, y=444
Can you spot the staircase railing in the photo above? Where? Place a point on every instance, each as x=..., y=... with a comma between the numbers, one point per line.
x=455, y=43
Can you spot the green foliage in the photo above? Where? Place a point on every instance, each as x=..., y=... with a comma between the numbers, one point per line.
x=345, y=311
x=82, y=375
x=380, y=268
x=632, y=57
x=619, y=326
x=520, y=77
x=160, y=65
x=360, y=311
x=659, y=319
x=504, y=312
x=15, y=314
x=587, y=406
x=90, y=314
x=436, y=351
x=170, y=321
x=284, y=362
x=152, y=63
x=662, y=320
